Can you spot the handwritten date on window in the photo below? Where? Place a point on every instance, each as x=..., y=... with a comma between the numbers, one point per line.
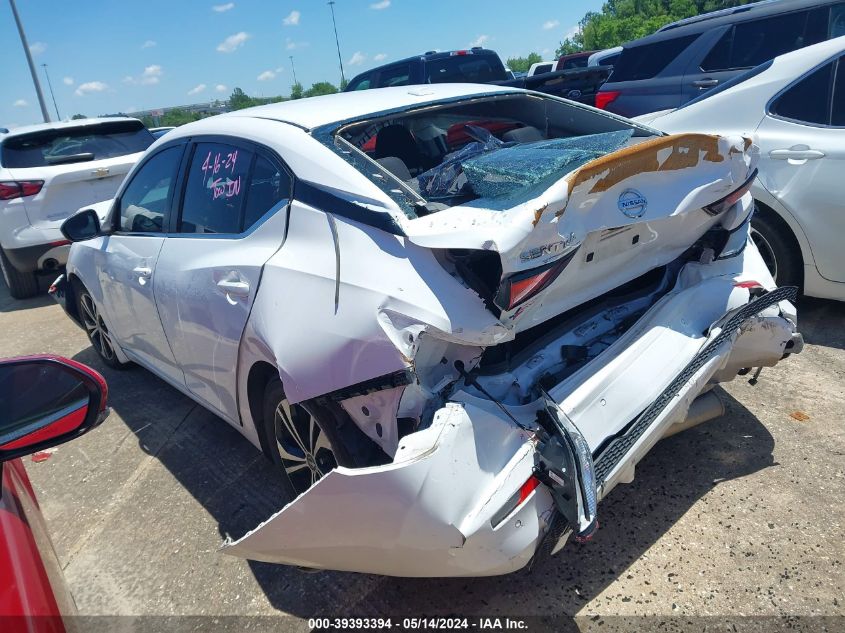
x=219, y=175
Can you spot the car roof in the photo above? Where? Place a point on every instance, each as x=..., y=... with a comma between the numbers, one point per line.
x=317, y=111
x=702, y=23
x=60, y=125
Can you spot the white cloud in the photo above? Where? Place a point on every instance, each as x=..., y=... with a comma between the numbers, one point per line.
x=221, y=88
x=379, y=57
x=89, y=87
x=149, y=44
x=292, y=19
x=68, y=81
x=36, y=48
x=222, y=8
x=378, y=6
x=233, y=42
x=357, y=59
x=197, y=89
x=20, y=103
x=548, y=25
x=267, y=75
x=291, y=45
x=480, y=40
x=572, y=32
x=149, y=77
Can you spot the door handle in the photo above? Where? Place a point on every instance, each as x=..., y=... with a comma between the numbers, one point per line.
x=796, y=154
x=144, y=273
x=705, y=83
x=234, y=287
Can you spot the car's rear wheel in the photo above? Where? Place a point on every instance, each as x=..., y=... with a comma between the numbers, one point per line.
x=96, y=328
x=779, y=252
x=297, y=443
x=21, y=285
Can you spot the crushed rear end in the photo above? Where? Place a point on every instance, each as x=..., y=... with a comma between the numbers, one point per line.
x=615, y=297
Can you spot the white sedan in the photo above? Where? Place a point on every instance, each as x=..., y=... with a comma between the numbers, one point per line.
x=795, y=107
x=454, y=316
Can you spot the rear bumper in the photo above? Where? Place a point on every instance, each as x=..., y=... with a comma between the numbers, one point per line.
x=436, y=510
x=39, y=257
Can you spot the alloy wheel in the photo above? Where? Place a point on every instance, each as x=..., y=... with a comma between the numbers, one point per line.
x=98, y=333
x=767, y=252
x=303, y=446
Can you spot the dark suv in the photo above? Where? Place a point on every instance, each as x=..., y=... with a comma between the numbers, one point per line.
x=475, y=65
x=685, y=58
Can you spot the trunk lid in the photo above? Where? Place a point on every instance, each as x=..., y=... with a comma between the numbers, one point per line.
x=599, y=226
x=69, y=187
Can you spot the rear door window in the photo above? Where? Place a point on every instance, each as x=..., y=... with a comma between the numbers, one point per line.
x=215, y=189
x=468, y=68
x=748, y=44
x=75, y=145
x=269, y=184
x=361, y=83
x=646, y=61
x=394, y=76
x=809, y=100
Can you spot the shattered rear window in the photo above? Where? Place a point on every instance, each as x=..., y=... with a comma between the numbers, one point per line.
x=489, y=148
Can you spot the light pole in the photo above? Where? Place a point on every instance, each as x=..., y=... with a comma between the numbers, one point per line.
x=293, y=68
x=52, y=95
x=339, y=58
x=43, y=105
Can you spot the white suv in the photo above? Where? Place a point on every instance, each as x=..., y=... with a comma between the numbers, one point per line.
x=47, y=172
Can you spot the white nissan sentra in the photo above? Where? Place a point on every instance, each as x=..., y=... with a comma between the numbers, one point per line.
x=455, y=316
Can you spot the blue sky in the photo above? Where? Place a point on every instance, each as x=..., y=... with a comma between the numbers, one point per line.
x=108, y=56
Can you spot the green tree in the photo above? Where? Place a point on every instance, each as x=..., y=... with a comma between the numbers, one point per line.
x=522, y=64
x=296, y=91
x=320, y=88
x=78, y=116
x=239, y=100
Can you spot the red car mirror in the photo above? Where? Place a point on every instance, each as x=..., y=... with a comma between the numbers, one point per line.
x=46, y=401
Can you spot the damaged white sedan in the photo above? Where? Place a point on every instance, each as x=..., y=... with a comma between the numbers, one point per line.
x=455, y=316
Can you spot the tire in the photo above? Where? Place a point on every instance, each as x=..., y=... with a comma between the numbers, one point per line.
x=95, y=328
x=778, y=250
x=21, y=285
x=297, y=444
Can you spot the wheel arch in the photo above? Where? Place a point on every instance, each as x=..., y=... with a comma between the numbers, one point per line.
x=258, y=376
x=787, y=231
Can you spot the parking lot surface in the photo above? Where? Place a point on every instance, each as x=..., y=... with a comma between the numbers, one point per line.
x=742, y=516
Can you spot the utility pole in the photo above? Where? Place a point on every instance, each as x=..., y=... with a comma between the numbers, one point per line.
x=53, y=96
x=293, y=68
x=339, y=58
x=38, y=92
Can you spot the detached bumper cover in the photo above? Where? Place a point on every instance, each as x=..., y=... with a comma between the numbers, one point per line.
x=431, y=512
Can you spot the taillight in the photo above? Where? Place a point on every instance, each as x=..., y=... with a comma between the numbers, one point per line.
x=731, y=199
x=605, y=97
x=10, y=189
x=520, y=287
x=515, y=500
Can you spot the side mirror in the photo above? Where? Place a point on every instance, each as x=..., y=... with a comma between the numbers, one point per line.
x=81, y=226
x=46, y=401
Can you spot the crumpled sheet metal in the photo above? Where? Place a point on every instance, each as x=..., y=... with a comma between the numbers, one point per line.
x=510, y=170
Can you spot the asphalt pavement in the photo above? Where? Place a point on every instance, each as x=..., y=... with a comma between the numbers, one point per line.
x=739, y=518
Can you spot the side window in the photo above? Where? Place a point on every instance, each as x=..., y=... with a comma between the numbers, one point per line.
x=396, y=76
x=362, y=83
x=748, y=44
x=644, y=62
x=215, y=190
x=268, y=186
x=144, y=203
x=808, y=100
x=837, y=20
